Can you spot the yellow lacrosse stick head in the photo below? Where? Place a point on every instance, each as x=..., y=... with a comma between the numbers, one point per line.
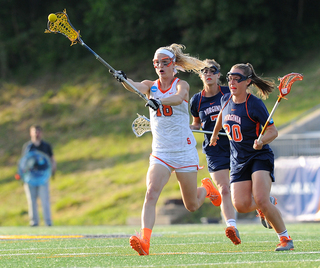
x=62, y=25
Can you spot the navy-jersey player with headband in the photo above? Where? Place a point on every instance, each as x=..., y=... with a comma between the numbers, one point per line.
x=242, y=122
x=205, y=107
x=252, y=161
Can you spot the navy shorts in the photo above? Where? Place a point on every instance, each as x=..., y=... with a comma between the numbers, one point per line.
x=217, y=163
x=254, y=165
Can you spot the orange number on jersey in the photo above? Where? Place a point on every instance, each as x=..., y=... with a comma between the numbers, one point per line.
x=236, y=132
x=213, y=117
x=166, y=110
x=226, y=128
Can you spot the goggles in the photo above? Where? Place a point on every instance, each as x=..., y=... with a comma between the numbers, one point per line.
x=240, y=77
x=213, y=69
x=166, y=61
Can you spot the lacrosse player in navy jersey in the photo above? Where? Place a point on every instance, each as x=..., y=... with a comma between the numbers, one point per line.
x=251, y=161
x=205, y=107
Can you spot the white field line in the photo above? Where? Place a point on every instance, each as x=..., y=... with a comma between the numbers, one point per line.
x=164, y=253
x=121, y=246
x=221, y=263
x=64, y=248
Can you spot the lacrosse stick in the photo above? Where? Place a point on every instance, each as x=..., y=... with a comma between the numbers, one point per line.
x=141, y=125
x=284, y=88
x=63, y=25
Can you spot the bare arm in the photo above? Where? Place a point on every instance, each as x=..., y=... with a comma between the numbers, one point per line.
x=218, y=126
x=181, y=95
x=270, y=134
x=143, y=87
x=196, y=123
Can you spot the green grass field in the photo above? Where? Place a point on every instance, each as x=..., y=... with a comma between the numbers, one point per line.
x=171, y=246
x=87, y=117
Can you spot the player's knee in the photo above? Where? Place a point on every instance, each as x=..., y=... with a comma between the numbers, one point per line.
x=191, y=207
x=238, y=208
x=241, y=207
x=224, y=190
x=262, y=204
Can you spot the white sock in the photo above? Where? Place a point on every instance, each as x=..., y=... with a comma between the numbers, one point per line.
x=231, y=222
x=284, y=233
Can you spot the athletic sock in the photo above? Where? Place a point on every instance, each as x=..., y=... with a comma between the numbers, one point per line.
x=146, y=233
x=284, y=233
x=231, y=222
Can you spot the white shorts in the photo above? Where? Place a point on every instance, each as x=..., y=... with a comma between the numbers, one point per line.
x=186, y=161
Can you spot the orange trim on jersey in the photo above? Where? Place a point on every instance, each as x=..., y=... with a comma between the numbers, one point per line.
x=257, y=123
x=198, y=167
x=202, y=94
x=226, y=102
x=257, y=129
x=164, y=91
x=220, y=90
x=247, y=108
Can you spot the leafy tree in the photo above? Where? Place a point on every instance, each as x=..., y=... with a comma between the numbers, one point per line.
x=132, y=26
x=263, y=32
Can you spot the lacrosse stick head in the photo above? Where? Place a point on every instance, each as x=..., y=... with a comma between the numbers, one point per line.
x=287, y=81
x=63, y=26
x=35, y=168
x=141, y=125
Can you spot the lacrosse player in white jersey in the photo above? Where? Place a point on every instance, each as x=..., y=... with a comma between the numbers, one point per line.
x=173, y=145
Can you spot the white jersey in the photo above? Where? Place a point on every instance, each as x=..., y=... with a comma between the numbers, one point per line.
x=170, y=124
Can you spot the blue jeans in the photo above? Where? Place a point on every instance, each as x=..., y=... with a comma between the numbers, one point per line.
x=32, y=193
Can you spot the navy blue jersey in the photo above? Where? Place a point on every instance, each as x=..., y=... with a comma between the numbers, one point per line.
x=207, y=109
x=243, y=122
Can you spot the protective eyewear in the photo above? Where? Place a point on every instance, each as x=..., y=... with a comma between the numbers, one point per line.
x=238, y=77
x=213, y=69
x=166, y=61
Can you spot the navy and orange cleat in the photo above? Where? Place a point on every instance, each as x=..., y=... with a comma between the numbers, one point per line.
x=212, y=193
x=285, y=244
x=140, y=245
x=233, y=234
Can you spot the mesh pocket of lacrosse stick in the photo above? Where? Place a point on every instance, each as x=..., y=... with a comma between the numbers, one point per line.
x=141, y=125
x=286, y=83
x=284, y=88
x=63, y=25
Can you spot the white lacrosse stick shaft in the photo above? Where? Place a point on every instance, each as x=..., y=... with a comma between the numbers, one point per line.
x=269, y=118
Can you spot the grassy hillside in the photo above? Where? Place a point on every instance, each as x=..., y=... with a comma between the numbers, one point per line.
x=87, y=117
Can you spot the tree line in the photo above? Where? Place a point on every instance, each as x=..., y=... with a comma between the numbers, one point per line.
x=263, y=32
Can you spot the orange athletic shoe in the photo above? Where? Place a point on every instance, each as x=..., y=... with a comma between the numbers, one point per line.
x=140, y=245
x=233, y=234
x=285, y=244
x=212, y=193
x=262, y=217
